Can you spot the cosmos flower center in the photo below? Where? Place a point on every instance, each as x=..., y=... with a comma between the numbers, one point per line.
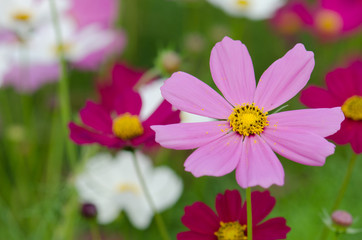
x=62, y=48
x=127, y=126
x=352, y=108
x=248, y=119
x=21, y=16
x=231, y=231
x=128, y=187
x=329, y=22
x=242, y=3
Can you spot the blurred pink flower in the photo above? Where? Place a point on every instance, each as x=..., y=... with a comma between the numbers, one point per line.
x=118, y=120
x=344, y=89
x=231, y=218
x=246, y=135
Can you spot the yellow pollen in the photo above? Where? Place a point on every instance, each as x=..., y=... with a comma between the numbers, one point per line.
x=62, y=48
x=127, y=126
x=242, y=3
x=22, y=16
x=352, y=108
x=231, y=231
x=128, y=187
x=329, y=22
x=248, y=119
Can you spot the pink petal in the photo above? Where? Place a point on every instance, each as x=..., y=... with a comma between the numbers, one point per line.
x=124, y=76
x=356, y=141
x=322, y=121
x=262, y=204
x=96, y=117
x=195, y=236
x=297, y=145
x=316, y=97
x=82, y=136
x=128, y=101
x=200, y=218
x=228, y=206
x=189, y=94
x=189, y=135
x=232, y=71
x=258, y=165
x=284, y=78
x=346, y=133
x=216, y=158
x=273, y=229
x=164, y=114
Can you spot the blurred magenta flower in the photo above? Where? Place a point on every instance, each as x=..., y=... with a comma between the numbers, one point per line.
x=246, y=135
x=230, y=221
x=252, y=9
x=118, y=120
x=344, y=88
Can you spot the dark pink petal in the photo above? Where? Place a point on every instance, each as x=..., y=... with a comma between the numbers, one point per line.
x=82, y=136
x=128, y=101
x=262, y=204
x=232, y=71
x=195, y=236
x=356, y=141
x=228, y=206
x=273, y=229
x=216, y=158
x=258, y=165
x=322, y=121
x=316, y=97
x=124, y=77
x=189, y=94
x=284, y=78
x=164, y=114
x=297, y=145
x=342, y=84
x=96, y=117
x=189, y=135
x=200, y=218
x=346, y=133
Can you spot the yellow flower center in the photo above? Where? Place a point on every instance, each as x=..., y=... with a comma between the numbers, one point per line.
x=231, y=231
x=352, y=108
x=22, y=16
x=62, y=48
x=329, y=22
x=242, y=3
x=127, y=126
x=248, y=119
x=128, y=187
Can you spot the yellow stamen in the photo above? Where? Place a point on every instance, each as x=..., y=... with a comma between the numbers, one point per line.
x=62, y=48
x=352, y=108
x=242, y=3
x=329, y=22
x=248, y=119
x=127, y=126
x=22, y=16
x=231, y=231
x=128, y=187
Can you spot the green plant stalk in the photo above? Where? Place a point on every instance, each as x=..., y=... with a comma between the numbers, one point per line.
x=95, y=230
x=159, y=221
x=249, y=214
x=342, y=190
x=63, y=89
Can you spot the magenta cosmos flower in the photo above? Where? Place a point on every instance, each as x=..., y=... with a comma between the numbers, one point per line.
x=230, y=222
x=246, y=134
x=344, y=88
x=118, y=121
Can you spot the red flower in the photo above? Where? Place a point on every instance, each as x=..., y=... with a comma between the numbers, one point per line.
x=116, y=122
x=230, y=221
x=344, y=88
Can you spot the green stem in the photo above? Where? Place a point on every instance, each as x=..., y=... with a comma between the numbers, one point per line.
x=249, y=214
x=160, y=223
x=342, y=191
x=63, y=90
x=95, y=230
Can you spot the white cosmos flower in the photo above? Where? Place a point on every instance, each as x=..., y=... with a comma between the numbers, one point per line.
x=112, y=185
x=253, y=9
x=21, y=16
x=152, y=98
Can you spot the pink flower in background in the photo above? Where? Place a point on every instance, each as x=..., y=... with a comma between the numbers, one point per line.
x=120, y=120
x=344, y=89
x=230, y=221
x=246, y=135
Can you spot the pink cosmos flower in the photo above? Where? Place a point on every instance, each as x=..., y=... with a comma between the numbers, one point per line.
x=344, y=88
x=231, y=219
x=246, y=134
x=118, y=120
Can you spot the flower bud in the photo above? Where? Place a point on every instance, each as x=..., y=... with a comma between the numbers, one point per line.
x=342, y=218
x=169, y=62
x=89, y=210
x=194, y=42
